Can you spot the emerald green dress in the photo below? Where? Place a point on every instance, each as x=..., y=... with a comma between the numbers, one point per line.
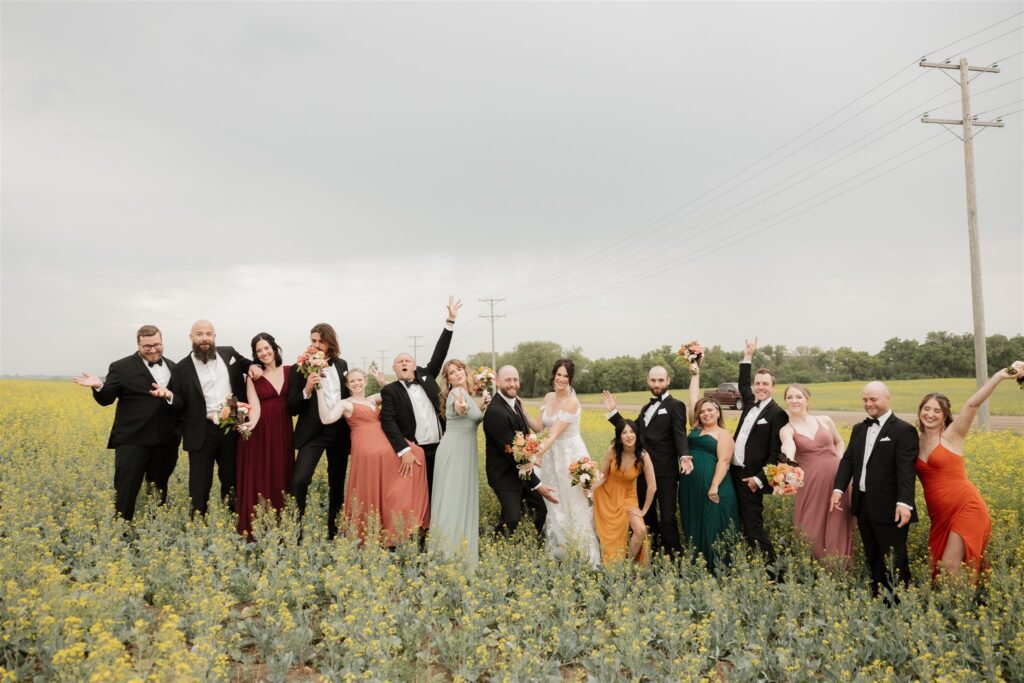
x=703, y=520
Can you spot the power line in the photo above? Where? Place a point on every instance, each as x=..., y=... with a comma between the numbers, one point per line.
x=415, y=345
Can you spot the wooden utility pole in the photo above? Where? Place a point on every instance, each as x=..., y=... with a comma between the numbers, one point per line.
x=492, y=317
x=382, y=366
x=977, y=300
x=415, y=346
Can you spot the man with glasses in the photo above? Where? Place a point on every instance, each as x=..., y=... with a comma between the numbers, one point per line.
x=144, y=435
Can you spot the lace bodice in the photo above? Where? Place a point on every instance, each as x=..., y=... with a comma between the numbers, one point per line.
x=573, y=420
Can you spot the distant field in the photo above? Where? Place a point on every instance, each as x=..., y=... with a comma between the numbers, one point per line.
x=906, y=394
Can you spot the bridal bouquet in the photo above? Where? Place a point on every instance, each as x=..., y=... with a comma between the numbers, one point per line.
x=311, y=361
x=485, y=377
x=784, y=478
x=693, y=352
x=524, y=449
x=234, y=413
x=584, y=473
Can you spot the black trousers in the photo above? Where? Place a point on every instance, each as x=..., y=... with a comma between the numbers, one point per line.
x=751, y=507
x=880, y=541
x=337, y=465
x=513, y=502
x=218, y=449
x=429, y=451
x=132, y=465
x=661, y=518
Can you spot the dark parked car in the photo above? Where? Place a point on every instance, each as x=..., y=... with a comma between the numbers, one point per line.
x=727, y=394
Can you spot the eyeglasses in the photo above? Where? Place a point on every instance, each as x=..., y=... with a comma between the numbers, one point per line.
x=151, y=347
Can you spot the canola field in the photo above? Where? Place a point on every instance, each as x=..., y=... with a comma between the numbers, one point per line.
x=86, y=597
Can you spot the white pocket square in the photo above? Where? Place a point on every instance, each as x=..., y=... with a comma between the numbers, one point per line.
x=232, y=361
x=885, y=438
x=662, y=411
x=345, y=374
x=762, y=421
x=423, y=378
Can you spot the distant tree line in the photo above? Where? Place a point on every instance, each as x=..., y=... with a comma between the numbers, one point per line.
x=941, y=354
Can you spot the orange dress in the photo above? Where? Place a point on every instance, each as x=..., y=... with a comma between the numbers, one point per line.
x=612, y=503
x=954, y=504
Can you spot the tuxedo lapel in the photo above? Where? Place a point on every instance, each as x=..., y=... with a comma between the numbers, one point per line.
x=140, y=366
x=189, y=373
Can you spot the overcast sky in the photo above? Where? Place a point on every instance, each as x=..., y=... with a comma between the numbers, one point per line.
x=623, y=175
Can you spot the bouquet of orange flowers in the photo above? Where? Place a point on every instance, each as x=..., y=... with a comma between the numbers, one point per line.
x=311, y=361
x=485, y=377
x=784, y=478
x=234, y=413
x=693, y=352
x=524, y=449
x=583, y=473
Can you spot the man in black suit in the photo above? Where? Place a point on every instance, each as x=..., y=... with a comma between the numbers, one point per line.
x=144, y=435
x=879, y=459
x=312, y=437
x=757, y=445
x=203, y=382
x=503, y=418
x=662, y=425
x=409, y=408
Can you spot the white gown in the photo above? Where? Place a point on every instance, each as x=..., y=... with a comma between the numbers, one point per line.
x=570, y=523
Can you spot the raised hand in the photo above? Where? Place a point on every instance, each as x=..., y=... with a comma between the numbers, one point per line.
x=748, y=348
x=377, y=375
x=461, y=407
x=87, y=380
x=453, y=307
x=609, y=401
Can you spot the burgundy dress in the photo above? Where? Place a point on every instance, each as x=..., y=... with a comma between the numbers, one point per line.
x=265, y=459
x=830, y=533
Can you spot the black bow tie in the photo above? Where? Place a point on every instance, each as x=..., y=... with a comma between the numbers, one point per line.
x=159, y=362
x=757, y=404
x=408, y=382
x=654, y=399
x=871, y=421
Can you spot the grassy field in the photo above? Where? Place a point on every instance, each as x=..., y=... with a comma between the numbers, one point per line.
x=85, y=597
x=906, y=395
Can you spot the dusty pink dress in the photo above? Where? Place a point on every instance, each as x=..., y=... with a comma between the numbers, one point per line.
x=830, y=533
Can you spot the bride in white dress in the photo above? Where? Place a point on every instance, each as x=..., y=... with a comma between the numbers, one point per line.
x=570, y=523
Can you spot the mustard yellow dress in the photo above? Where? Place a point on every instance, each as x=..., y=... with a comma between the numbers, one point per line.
x=612, y=503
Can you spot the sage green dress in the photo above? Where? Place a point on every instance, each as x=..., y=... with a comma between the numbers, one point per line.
x=455, y=505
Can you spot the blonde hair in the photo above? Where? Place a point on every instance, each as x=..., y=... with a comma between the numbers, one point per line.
x=799, y=387
x=446, y=387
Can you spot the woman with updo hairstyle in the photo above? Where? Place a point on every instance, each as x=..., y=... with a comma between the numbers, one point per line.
x=961, y=525
x=264, y=460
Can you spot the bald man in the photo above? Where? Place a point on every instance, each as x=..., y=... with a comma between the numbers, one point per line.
x=879, y=460
x=409, y=411
x=203, y=380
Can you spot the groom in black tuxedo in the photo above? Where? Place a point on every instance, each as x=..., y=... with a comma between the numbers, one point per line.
x=503, y=418
x=312, y=437
x=662, y=426
x=203, y=381
x=879, y=459
x=410, y=406
x=758, y=445
x=144, y=435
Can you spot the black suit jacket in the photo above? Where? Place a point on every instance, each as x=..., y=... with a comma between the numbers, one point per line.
x=139, y=419
x=763, y=447
x=188, y=394
x=665, y=437
x=501, y=423
x=309, y=424
x=891, y=477
x=397, y=417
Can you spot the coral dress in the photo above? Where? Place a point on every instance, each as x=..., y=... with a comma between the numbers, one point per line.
x=954, y=504
x=612, y=503
x=362, y=487
x=830, y=533
x=403, y=502
x=265, y=459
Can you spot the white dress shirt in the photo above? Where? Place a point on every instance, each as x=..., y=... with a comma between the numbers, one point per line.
x=869, y=445
x=739, y=455
x=213, y=378
x=428, y=425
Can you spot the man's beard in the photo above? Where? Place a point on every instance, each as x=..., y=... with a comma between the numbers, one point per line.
x=205, y=355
